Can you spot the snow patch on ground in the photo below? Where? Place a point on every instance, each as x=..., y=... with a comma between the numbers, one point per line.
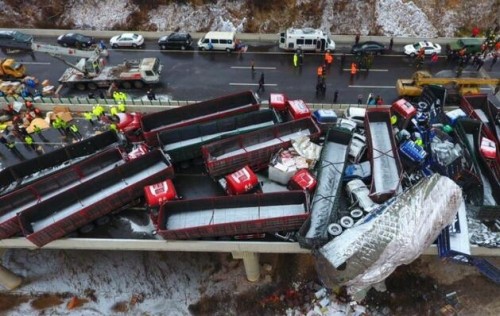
x=403, y=19
x=98, y=15
x=169, y=282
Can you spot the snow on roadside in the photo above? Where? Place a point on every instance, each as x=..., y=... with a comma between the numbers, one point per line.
x=98, y=15
x=403, y=19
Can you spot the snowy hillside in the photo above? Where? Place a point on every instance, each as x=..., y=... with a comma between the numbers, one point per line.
x=422, y=18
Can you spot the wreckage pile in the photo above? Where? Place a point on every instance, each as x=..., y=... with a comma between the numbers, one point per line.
x=355, y=189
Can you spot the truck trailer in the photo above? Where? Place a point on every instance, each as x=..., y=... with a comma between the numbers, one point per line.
x=154, y=123
x=233, y=215
x=64, y=179
x=23, y=173
x=80, y=205
x=387, y=170
x=184, y=143
x=255, y=149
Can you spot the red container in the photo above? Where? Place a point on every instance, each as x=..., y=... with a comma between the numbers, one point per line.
x=277, y=101
x=404, y=108
x=138, y=151
x=488, y=149
x=241, y=181
x=298, y=109
x=159, y=193
x=302, y=180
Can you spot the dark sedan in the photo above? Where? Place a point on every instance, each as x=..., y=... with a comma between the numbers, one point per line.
x=369, y=47
x=75, y=40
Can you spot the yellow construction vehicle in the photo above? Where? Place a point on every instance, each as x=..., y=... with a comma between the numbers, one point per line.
x=462, y=85
x=11, y=70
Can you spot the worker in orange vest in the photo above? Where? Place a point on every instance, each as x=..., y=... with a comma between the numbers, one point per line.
x=328, y=59
x=354, y=69
x=319, y=71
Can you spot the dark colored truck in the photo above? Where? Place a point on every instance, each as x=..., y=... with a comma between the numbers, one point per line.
x=326, y=200
x=30, y=170
x=383, y=153
x=40, y=190
x=233, y=215
x=184, y=143
x=154, y=123
x=256, y=148
x=80, y=205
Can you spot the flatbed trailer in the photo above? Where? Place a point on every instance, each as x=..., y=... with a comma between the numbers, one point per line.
x=23, y=173
x=255, y=149
x=154, y=123
x=383, y=153
x=184, y=143
x=233, y=215
x=30, y=195
x=80, y=205
x=326, y=199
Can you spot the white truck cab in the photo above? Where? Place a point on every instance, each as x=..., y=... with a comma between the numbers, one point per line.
x=306, y=39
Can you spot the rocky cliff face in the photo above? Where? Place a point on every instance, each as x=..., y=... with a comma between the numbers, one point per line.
x=423, y=18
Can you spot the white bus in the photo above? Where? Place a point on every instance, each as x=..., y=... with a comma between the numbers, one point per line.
x=218, y=41
x=307, y=39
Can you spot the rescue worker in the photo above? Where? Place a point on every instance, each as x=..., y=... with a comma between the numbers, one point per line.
x=28, y=140
x=113, y=127
x=295, y=60
x=261, y=83
x=74, y=130
x=98, y=111
x=38, y=131
x=151, y=95
x=113, y=111
x=121, y=107
x=319, y=71
x=89, y=117
x=116, y=96
x=57, y=125
x=354, y=69
x=328, y=59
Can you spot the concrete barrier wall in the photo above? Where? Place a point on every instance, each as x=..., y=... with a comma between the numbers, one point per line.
x=253, y=37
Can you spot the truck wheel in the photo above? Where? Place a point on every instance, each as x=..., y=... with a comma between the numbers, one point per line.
x=80, y=86
x=126, y=85
x=138, y=84
x=92, y=86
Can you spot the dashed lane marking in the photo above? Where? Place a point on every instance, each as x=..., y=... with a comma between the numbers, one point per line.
x=375, y=87
x=248, y=67
x=34, y=63
x=252, y=84
x=374, y=70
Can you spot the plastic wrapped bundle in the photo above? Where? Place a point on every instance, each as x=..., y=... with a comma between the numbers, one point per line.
x=394, y=235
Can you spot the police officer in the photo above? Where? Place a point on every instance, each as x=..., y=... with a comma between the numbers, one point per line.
x=74, y=130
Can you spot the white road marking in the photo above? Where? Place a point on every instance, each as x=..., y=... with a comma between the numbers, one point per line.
x=248, y=67
x=375, y=70
x=34, y=63
x=252, y=84
x=375, y=87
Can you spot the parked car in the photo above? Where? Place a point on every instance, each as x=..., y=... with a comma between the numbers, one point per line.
x=75, y=40
x=357, y=148
x=356, y=115
x=359, y=193
x=346, y=123
x=176, y=41
x=429, y=48
x=472, y=45
x=15, y=40
x=369, y=47
x=127, y=40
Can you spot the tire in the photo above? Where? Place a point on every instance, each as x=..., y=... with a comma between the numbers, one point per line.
x=126, y=85
x=134, y=45
x=183, y=47
x=101, y=221
x=87, y=228
x=138, y=84
x=228, y=50
x=202, y=49
x=163, y=46
x=64, y=44
x=334, y=229
x=81, y=86
x=84, y=45
x=114, y=46
x=346, y=222
x=92, y=86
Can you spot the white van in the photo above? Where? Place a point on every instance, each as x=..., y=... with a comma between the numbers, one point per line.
x=307, y=39
x=218, y=41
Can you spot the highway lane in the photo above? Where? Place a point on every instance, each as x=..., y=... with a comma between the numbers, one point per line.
x=195, y=75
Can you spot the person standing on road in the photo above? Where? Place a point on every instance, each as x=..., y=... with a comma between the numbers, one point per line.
x=356, y=39
x=261, y=83
x=391, y=43
x=335, y=96
x=360, y=99
x=295, y=60
x=494, y=60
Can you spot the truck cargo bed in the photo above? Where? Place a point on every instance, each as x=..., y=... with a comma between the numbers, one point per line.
x=233, y=215
x=84, y=203
x=386, y=166
x=184, y=143
x=58, y=182
x=256, y=148
x=226, y=106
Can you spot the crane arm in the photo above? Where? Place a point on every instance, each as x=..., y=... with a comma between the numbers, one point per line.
x=66, y=51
